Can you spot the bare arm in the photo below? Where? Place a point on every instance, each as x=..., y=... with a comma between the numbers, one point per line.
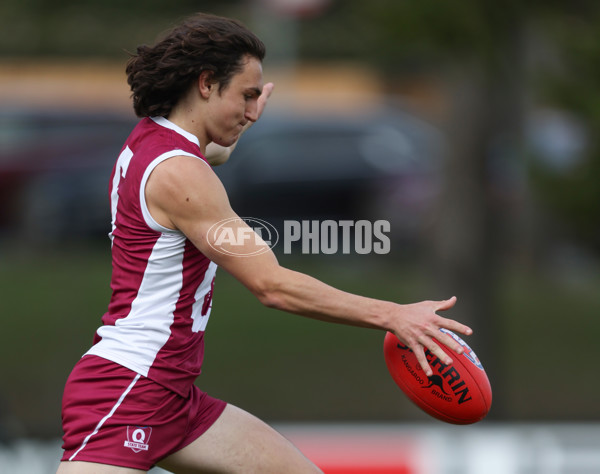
x=185, y=194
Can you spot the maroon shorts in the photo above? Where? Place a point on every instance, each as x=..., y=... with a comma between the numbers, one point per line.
x=114, y=416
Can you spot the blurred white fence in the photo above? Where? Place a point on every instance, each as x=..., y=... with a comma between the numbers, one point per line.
x=486, y=448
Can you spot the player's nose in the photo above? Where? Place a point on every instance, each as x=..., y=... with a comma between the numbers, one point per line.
x=251, y=111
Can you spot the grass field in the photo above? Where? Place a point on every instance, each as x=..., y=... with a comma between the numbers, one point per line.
x=286, y=368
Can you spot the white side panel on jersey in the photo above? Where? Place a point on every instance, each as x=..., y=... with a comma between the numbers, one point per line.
x=152, y=309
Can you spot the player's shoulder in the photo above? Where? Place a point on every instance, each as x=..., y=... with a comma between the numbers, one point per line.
x=184, y=173
x=184, y=190
x=185, y=165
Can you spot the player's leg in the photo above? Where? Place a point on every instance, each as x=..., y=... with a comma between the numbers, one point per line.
x=81, y=467
x=238, y=442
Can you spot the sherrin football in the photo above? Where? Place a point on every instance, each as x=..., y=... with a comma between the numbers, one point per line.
x=459, y=393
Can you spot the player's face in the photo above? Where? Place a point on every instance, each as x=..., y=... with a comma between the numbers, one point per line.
x=236, y=104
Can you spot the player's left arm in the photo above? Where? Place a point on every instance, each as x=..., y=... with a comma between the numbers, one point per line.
x=183, y=193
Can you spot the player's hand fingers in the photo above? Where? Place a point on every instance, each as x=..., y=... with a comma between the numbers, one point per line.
x=425, y=343
x=455, y=326
x=446, y=304
x=419, y=353
x=449, y=342
x=436, y=350
x=264, y=97
x=267, y=90
x=422, y=337
x=451, y=324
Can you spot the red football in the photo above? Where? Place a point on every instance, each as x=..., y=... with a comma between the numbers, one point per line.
x=459, y=393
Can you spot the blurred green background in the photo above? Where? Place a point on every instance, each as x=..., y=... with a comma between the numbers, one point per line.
x=513, y=88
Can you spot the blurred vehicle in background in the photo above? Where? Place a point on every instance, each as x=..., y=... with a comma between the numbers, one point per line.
x=55, y=167
x=382, y=165
x=54, y=172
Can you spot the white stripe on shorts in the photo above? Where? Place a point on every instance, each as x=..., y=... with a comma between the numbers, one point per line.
x=103, y=420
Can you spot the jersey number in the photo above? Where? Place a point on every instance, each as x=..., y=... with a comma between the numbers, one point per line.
x=120, y=172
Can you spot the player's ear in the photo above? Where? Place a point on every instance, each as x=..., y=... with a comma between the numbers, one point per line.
x=206, y=84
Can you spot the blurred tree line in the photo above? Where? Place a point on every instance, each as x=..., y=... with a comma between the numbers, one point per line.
x=522, y=53
x=88, y=28
x=537, y=51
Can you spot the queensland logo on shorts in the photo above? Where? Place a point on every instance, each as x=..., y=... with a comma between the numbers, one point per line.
x=242, y=236
x=138, y=438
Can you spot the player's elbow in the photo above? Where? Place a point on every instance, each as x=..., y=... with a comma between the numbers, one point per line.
x=268, y=290
x=270, y=297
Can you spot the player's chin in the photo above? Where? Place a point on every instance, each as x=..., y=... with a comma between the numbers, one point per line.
x=228, y=140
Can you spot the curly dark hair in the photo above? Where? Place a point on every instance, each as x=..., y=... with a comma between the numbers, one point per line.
x=160, y=75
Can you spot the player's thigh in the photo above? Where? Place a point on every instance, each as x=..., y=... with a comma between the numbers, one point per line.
x=238, y=442
x=82, y=467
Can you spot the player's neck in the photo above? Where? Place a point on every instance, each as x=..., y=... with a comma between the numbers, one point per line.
x=186, y=115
